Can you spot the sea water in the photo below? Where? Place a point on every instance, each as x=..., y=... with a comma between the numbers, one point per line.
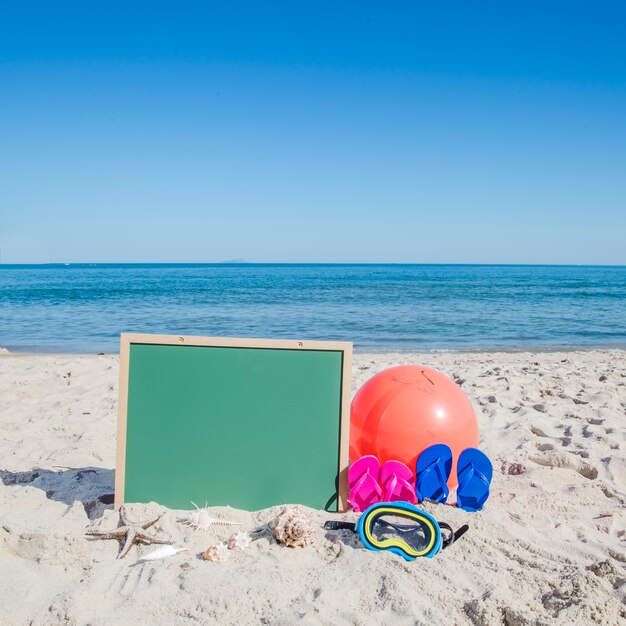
x=84, y=308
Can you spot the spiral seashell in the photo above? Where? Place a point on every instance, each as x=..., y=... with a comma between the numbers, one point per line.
x=217, y=552
x=238, y=541
x=292, y=528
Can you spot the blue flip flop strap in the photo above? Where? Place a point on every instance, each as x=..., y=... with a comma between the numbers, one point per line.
x=477, y=473
x=472, y=495
x=443, y=479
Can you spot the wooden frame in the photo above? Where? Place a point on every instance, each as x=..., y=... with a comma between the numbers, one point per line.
x=126, y=339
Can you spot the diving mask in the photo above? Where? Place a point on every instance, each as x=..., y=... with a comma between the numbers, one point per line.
x=401, y=528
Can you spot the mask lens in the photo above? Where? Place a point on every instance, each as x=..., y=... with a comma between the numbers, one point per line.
x=410, y=531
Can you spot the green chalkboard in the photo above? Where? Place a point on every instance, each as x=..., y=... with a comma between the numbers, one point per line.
x=245, y=423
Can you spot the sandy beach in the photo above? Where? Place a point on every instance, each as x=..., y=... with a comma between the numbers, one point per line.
x=549, y=547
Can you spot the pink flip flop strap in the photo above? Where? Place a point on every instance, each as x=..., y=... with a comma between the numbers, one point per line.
x=363, y=490
x=397, y=488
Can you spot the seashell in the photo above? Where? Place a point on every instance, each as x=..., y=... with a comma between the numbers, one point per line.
x=217, y=552
x=239, y=541
x=292, y=528
x=201, y=519
x=161, y=553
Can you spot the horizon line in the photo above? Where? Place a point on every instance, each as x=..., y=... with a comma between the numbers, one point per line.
x=295, y=263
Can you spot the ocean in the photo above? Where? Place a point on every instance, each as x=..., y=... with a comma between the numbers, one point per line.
x=84, y=308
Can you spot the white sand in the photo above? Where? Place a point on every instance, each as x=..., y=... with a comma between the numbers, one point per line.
x=549, y=547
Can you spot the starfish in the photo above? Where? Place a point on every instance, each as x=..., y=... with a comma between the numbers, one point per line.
x=130, y=533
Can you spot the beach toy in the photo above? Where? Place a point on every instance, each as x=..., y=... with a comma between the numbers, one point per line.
x=432, y=472
x=403, y=410
x=397, y=482
x=401, y=528
x=475, y=473
x=363, y=477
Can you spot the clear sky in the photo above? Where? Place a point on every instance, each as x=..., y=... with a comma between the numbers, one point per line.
x=306, y=131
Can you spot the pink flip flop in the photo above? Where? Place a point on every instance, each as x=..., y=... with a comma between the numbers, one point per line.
x=363, y=477
x=398, y=482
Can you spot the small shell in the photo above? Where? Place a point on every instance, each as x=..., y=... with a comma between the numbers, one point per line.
x=239, y=541
x=201, y=519
x=161, y=553
x=292, y=528
x=217, y=552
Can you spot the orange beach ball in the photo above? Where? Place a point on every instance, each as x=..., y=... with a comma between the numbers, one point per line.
x=402, y=410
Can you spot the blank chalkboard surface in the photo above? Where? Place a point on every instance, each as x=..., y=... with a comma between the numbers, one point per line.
x=240, y=422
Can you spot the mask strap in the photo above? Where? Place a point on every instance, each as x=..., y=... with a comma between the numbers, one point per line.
x=337, y=525
x=453, y=535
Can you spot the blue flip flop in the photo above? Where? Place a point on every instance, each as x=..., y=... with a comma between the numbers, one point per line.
x=432, y=471
x=474, y=472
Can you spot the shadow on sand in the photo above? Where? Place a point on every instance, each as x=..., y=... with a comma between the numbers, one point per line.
x=93, y=487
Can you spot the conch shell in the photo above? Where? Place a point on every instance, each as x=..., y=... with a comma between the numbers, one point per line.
x=217, y=552
x=292, y=528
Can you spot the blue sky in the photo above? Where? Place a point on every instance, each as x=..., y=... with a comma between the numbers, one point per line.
x=313, y=132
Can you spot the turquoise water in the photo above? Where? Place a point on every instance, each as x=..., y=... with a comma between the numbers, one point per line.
x=83, y=308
